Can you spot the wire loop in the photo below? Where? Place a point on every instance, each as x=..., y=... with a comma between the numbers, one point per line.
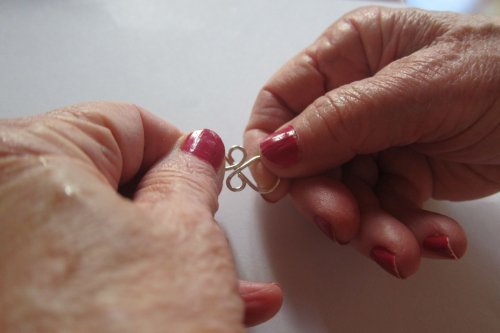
x=237, y=170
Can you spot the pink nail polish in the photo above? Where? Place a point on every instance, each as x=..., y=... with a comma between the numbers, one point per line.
x=324, y=226
x=281, y=147
x=206, y=145
x=439, y=245
x=386, y=259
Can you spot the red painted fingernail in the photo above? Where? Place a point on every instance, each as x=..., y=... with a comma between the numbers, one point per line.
x=439, y=245
x=324, y=226
x=206, y=145
x=386, y=259
x=281, y=147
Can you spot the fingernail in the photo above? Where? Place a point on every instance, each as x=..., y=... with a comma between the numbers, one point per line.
x=386, y=259
x=281, y=147
x=324, y=226
x=439, y=245
x=206, y=145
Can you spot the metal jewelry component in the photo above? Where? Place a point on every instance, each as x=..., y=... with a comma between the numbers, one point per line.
x=237, y=170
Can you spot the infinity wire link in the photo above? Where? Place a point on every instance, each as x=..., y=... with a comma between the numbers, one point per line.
x=238, y=167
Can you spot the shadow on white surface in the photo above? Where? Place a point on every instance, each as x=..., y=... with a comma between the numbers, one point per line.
x=331, y=288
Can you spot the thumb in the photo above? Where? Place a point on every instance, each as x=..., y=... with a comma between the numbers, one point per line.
x=389, y=109
x=191, y=175
x=184, y=188
x=180, y=194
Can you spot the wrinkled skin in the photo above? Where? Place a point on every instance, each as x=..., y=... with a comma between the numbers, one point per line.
x=390, y=107
x=76, y=256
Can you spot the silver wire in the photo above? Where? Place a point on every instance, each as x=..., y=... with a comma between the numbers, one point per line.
x=237, y=170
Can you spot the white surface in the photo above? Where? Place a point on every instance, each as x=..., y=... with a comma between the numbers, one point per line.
x=463, y=6
x=200, y=64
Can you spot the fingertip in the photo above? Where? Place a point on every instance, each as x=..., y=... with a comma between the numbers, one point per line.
x=439, y=236
x=206, y=145
x=262, y=301
x=159, y=137
x=396, y=261
x=281, y=148
x=267, y=181
x=125, y=138
x=192, y=172
x=274, y=197
x=329, y=204
x=279, y=193
x=447, y=240
x=389, y=243
x=304, y=146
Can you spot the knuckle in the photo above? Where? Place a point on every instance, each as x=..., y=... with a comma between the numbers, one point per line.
x=338, y=116
x=365, y=11
x=330, y=114
x=328, y=117
x=366, y=18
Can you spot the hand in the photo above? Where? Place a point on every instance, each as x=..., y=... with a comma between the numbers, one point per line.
x=386, y=109
x=76, y=256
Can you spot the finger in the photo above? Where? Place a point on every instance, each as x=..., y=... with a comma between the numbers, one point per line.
x=192, y=173
x=262, y=301
x=117, y=139
x=381, y=236
x=134, y=137
x=384, y=238
x=406, y=183
x=439, y=236
x=329, y=204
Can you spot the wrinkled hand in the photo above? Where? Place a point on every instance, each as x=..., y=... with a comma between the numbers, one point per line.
x=76, y=256
x=386, y=109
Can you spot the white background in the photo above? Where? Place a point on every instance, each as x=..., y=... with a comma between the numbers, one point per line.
x=200, y=64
